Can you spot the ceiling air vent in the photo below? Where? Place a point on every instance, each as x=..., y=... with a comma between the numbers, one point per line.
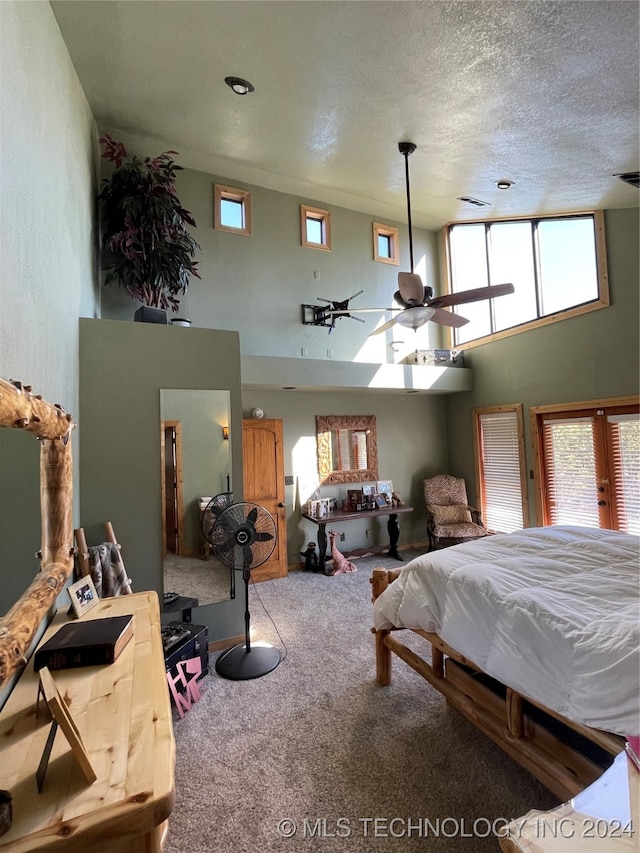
x=632, y=178
x=468, y=200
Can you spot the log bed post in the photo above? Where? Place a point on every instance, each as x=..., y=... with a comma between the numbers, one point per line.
x=379, y=581
x=20, y=409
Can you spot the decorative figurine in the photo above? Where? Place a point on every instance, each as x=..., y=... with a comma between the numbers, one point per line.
x=395, y=499
x=310, y=558
x=340, y=562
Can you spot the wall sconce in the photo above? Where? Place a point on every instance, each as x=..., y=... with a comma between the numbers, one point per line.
x=225, y=433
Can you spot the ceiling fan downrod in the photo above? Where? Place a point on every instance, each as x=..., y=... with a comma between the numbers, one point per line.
x=407, y=148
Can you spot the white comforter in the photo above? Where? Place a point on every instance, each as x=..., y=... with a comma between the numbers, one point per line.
x=553, y=612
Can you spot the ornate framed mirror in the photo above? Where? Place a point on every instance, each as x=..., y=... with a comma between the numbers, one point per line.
x=347, y=448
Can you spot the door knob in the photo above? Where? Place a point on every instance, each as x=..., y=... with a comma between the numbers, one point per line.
x=281, y=504
x=602, y=503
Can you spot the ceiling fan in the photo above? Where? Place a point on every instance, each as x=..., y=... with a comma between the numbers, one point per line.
x=417, y=301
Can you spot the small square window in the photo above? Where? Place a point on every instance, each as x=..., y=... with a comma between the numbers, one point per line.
x=386, y=244
x=232, y=210
x=315, y=227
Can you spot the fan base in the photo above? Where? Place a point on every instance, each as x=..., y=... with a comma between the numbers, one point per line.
x=238, y=664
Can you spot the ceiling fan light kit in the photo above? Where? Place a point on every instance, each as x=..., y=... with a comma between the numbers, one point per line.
x=413, y=318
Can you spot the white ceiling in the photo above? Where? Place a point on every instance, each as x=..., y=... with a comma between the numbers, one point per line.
x=542, y=93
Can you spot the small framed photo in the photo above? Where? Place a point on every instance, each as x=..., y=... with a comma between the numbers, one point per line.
x=368, y=491
x=385, y=487
x=355, y=497
x=380, y=501
x=83, y=595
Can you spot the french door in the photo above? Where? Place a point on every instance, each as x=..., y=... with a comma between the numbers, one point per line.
x=589, y=466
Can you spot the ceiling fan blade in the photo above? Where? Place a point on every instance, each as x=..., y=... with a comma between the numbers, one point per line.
x=474, y=295
x=447, y=318
x=411, y=288
x=373, y=310
x=384, y=327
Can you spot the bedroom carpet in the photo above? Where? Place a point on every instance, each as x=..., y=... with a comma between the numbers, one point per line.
x=317, y=751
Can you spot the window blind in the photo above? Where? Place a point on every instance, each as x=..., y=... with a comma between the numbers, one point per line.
x=570, y=468
x=624, y=433
x=500, y=472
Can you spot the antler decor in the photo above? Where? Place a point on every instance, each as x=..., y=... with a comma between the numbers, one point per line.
x=20, y=409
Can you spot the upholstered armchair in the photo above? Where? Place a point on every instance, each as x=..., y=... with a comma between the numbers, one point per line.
x=450, y=519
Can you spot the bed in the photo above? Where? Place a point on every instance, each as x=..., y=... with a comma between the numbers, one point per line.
x=534, y=637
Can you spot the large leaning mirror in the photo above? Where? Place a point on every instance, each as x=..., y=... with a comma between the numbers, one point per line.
x=196, y=464
x=347, y=448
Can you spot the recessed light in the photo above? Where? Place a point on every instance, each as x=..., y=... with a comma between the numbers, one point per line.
x=504, y=184
x=239, y=86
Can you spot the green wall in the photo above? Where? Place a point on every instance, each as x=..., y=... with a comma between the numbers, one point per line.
x=592, y=356
x=412, y=445
x=123, y=366
x=256, y=285
x=48, y=270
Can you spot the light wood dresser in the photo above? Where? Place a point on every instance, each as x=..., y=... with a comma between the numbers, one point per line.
x=123, y=714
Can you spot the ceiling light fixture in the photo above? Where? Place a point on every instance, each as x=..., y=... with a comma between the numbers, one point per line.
x=504, y=184
x=239, y=86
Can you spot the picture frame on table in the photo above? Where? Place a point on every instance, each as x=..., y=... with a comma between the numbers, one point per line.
x=385, y=487
x=62, y=717
x=83, y=596
x=368, y=491
x=380, y=501
x=355, y=497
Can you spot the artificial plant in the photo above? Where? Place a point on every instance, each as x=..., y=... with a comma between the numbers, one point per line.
x=148, y=249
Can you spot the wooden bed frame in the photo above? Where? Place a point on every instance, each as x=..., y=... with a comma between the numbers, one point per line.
x=20, y=409
x=565, y=756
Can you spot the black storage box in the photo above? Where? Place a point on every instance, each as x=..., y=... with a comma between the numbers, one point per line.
x=193, y=643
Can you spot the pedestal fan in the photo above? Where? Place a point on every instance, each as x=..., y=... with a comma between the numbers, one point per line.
x=243, y=537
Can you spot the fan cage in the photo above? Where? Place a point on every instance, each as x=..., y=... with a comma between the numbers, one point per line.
x=243, y=535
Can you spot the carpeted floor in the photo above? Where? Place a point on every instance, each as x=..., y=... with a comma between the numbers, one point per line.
x=315, y=750
x=206, y=580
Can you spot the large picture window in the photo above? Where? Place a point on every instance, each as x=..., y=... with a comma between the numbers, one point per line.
x=556, y=264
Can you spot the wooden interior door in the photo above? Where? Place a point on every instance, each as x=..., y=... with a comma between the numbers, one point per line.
x=172, y=501
x=263, y=481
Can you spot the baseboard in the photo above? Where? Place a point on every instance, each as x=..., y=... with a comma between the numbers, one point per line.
x=227, y=643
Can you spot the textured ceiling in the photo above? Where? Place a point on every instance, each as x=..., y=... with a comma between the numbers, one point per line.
x=542, y=93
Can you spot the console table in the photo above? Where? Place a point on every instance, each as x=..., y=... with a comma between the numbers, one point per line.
x=339, y=517
x=123, y=714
